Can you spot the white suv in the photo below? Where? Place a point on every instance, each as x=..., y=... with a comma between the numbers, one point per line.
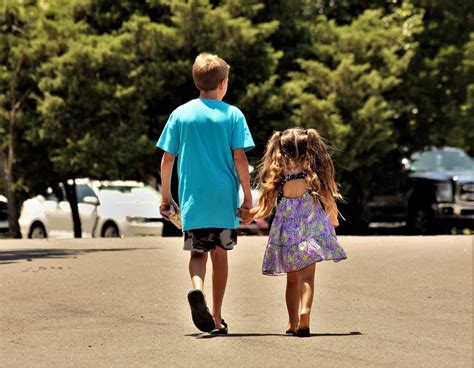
x=106, y=208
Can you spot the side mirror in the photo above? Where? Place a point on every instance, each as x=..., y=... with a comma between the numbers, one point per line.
x=91, y=200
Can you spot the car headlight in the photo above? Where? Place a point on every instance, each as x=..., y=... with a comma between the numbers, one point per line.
x=444, y=192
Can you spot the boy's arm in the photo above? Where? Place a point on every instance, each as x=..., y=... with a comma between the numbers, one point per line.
x=167, y=163
x=242, y=166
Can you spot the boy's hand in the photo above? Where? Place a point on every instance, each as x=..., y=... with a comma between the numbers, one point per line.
x=245, y=215
x=244, y=209
x=165, y=207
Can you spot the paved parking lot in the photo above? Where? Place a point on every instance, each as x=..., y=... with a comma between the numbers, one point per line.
x=396, y=302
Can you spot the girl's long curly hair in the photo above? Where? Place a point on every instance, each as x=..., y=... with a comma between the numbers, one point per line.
x=292, y=148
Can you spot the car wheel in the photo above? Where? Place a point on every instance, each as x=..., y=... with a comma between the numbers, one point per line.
x=421, y=221
x=37, y=231
x=110, y=231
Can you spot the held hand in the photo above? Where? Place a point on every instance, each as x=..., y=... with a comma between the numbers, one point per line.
x=244, y=209
x=242, y=213
x=245, y=215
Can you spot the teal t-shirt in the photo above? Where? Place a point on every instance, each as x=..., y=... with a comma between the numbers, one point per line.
x=203, y=133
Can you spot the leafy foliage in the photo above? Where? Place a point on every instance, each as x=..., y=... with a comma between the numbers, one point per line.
x=101, y=77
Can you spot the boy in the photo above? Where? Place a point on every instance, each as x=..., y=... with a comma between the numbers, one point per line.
x=210, y=138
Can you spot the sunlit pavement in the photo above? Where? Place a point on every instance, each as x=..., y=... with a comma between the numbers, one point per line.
x=396, y=301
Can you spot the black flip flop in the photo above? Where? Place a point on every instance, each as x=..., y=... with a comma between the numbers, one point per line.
x=202, y=318
x=303, y=332
x=222, y=330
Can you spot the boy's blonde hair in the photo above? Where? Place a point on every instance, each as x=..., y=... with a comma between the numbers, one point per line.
x=208, y=71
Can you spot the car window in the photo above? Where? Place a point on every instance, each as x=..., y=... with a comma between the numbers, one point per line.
x=57, y=194
x=128, y=193
x=83, y=191
x=441, y=161
x=145, y=194
x=52, y=197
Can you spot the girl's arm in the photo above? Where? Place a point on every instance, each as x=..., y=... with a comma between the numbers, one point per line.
x=331, y=211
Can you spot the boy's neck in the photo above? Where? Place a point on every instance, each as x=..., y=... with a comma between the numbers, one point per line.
x=210, y=95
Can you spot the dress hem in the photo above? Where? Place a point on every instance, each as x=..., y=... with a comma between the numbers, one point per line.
x=269, y=273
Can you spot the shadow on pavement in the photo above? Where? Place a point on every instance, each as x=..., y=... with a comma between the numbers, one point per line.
x=352, y=333
x=209, y=336
x=12, y=256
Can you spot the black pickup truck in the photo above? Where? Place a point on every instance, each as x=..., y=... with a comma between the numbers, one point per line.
x=434, y=194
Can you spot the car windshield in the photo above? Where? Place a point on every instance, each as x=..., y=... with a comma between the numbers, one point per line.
x=441, y=161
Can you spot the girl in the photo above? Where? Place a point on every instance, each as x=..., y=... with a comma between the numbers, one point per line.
x=298, y=173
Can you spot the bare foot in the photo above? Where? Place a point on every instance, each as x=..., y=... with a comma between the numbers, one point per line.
x=304, y=320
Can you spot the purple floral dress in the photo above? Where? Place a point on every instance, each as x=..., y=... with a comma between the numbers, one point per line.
x=301, y=234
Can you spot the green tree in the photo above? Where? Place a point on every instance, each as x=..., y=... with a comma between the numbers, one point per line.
x=20, y=24
x=107, y=97
x=435, y=89
x=92, y=82
x=88, y=118
x=163, y=38
x=467, y=109
x=345, y=89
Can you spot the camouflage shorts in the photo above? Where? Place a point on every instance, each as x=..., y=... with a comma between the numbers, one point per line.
x=204, y=240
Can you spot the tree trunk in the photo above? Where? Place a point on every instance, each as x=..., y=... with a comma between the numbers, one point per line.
x=14, y=227
x=7, y=162
x=72, y=199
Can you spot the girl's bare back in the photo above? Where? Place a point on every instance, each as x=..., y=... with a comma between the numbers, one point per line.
x=295, y=188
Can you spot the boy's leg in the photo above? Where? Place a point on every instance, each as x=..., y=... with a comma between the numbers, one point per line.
x=220, y=271
x=202, y=318
x=306, y=293
x=197, y=269
x=293, y=299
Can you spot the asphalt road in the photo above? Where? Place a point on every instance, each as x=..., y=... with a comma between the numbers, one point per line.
x=395, y=302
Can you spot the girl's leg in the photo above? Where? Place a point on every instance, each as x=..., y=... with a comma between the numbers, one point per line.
x=219, y=281
x=306, y=293
x=197, y=269
x=293, y=299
